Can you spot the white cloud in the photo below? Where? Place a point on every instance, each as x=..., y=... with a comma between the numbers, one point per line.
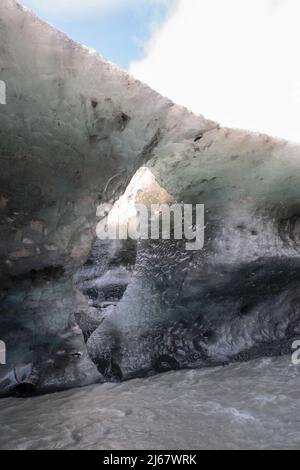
x=234, y=61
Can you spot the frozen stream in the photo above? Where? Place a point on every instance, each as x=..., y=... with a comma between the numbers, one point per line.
x=254, y=405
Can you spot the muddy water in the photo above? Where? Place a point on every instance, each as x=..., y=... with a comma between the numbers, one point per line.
x=243, y=406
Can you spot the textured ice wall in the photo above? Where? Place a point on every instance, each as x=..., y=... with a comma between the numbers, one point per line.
x=74, y=130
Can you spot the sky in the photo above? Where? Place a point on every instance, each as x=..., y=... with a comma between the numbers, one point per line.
x=118, y=29
x=234, y=61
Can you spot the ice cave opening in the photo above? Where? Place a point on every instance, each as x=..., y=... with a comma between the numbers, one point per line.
x=105, y=276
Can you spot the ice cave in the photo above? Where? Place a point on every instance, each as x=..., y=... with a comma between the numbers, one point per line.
x=76, y=134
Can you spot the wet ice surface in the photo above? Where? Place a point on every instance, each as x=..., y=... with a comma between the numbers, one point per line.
x=254, y=405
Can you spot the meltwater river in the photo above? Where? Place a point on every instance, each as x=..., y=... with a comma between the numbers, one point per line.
x=254, y=405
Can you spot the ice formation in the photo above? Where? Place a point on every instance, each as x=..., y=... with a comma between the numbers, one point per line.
x=74, y=311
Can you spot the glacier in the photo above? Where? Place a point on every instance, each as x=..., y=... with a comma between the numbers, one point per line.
x=75, y=310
